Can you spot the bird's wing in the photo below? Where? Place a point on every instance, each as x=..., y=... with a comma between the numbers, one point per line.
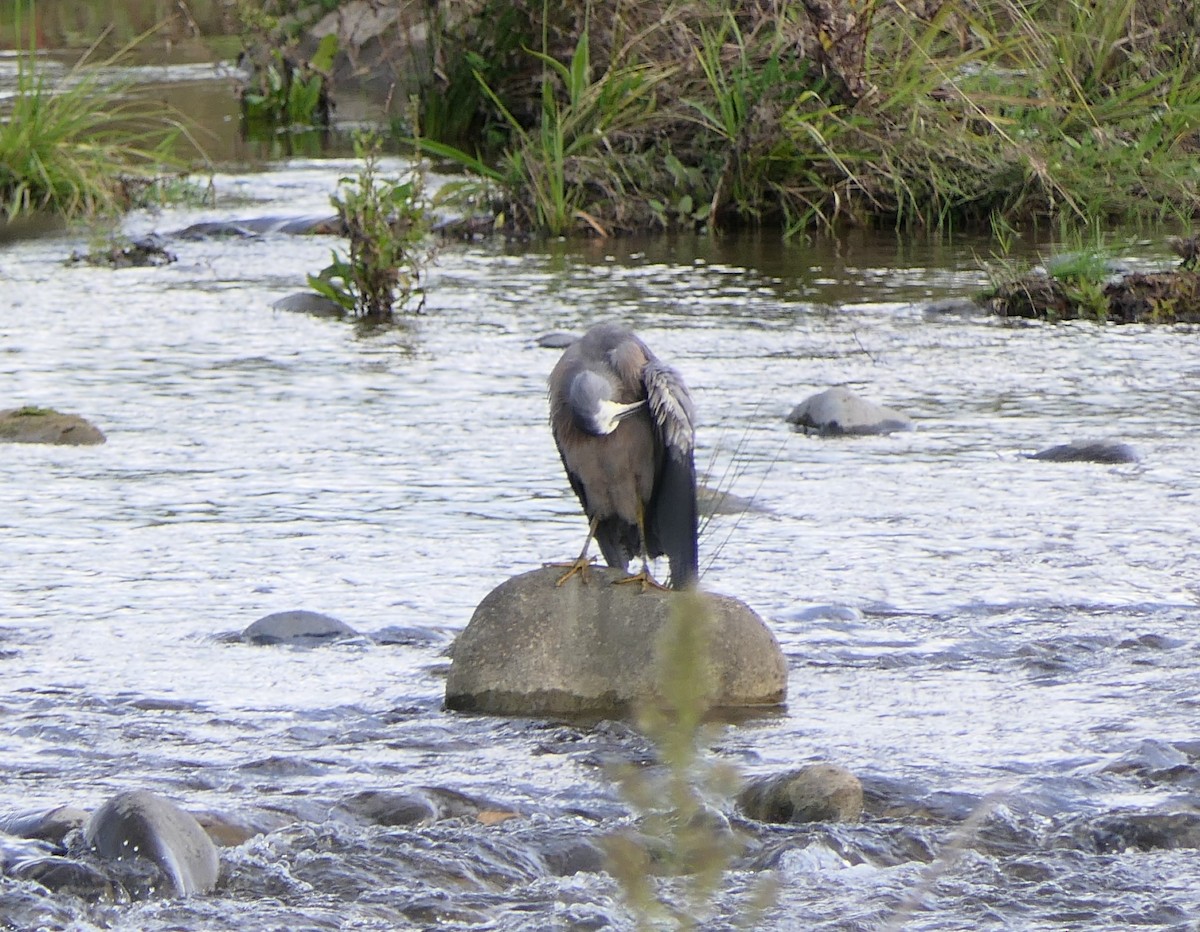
x=670, y=407
x=672, y=520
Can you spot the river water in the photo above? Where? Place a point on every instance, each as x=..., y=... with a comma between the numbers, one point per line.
x=1003, y=650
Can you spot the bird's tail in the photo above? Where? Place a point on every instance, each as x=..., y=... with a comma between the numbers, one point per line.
x=674, y=519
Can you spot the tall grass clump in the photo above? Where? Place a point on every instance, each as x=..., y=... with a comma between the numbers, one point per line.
x=566, y=171
x=808, y=116
x=75, y=145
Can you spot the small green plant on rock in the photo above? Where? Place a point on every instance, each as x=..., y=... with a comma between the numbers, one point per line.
x=387, y=224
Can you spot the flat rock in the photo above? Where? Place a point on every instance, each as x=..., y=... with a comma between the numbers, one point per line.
x=1088, y=451
x=534, y=648
x=815, y=793
x=838, y=411
x=140, y=823
x=44, y=425
x=297, y=627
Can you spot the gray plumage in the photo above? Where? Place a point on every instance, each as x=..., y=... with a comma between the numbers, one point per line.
x=625, y=430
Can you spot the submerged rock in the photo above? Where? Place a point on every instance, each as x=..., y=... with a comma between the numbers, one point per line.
x=422, y=806
x=45, y=425
x=837, y=411
x=45, y=824
x=143, y=824
x=145, y=252
x=257, y=226
x=556, y=339
x=297, y=627
x=1088, y=451
x=63, y=875
x=815, y=793
x=534, y=648
x=309, y=302
x=723, y=502
x=1115, y=832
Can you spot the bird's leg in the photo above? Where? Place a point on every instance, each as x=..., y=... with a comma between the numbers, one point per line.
x=644, y=577
x=582, y=562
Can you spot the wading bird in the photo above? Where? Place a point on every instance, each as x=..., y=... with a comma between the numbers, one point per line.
x=623, y=424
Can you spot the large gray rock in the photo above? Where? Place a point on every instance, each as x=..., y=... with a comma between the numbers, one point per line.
x=838, y=411
x=44, y=425
x=533, y=648
x=143, y=824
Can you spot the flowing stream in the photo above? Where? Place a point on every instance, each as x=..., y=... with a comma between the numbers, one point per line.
x=1003, y=650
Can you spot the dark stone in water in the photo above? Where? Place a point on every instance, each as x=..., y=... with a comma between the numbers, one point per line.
x=63, y=875
x=567, y=856
x=297, y=627
x=143, y=824
x=309, y=302
x=838, y=411
x=147, y=251
x=1088, y=451
x=1146, y=831
x=557, y=339
x=388, y=807
x=256, y=226
x=46, y=824
x=815, y=793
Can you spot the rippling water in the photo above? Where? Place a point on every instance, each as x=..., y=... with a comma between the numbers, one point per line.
x=1002, y=649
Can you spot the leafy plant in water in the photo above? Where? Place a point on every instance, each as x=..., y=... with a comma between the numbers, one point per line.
x=76, y=145
x=387, y=224
x=288, y=93
x=681, y=834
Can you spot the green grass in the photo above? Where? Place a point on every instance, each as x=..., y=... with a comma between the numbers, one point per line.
x=688, y=112
x=75, y=145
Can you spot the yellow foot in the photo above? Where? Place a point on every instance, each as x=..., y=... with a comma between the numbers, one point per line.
x=578, y=568
x=644, y=577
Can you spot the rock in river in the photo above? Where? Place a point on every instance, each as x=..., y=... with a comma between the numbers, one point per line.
x=297, y=627
x=44, y=425
x=143, y=823
x=533, y=648
x=837, y=411
x=816, y=793
x=1088, y=451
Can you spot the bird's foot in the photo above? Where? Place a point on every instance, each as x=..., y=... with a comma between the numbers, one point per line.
x=644, y=577
x=577, y=568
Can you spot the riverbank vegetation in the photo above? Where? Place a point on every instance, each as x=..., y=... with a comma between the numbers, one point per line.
x=76, y=145
x=685, y=113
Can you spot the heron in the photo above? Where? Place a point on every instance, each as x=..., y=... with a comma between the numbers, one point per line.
x=623, y=423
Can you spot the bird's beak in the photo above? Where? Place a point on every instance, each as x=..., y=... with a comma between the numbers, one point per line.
x=623, y=411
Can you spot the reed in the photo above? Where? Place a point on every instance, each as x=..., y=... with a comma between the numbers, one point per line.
x=76, y=145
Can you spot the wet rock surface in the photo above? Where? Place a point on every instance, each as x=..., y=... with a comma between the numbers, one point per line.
x=44, y=425
x=534, y=648
x=816, y=793
x=837, y=411
x=298, y=627
x=146, y=825
x=1088, y=451
x=144, y=252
